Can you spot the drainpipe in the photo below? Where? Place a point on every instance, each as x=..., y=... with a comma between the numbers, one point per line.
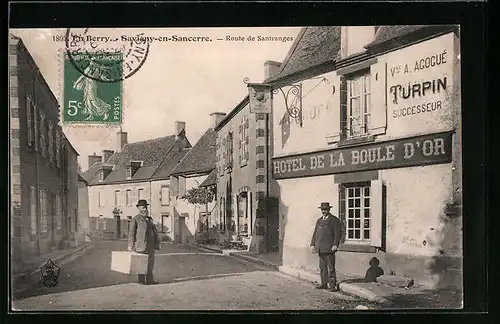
x=267, y=181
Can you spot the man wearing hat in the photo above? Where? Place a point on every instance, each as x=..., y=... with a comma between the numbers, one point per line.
x=325, y=241
x=143, y=238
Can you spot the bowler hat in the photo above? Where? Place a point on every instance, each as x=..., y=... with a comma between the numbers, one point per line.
x=325, y=205
x=142, y=202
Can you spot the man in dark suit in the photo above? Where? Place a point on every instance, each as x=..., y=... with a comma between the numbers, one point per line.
x=143, y=238
x=325, y=241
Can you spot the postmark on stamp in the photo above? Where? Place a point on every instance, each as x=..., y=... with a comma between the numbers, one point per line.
x=87, y=100
x=96, y=63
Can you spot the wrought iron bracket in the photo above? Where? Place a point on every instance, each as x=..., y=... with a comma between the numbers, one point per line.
x=293, y=104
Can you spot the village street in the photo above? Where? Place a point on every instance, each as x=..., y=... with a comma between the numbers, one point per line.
x=189, y=279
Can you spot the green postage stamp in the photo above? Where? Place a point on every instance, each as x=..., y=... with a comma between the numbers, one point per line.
x=93, y=88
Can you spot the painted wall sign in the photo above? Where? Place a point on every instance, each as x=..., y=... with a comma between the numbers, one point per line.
x=413, y=151
x=419, y=84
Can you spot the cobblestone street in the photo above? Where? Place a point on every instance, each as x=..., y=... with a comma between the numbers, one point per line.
x=189, y=280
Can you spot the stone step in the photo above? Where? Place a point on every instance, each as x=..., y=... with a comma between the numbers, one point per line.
x=395, y=281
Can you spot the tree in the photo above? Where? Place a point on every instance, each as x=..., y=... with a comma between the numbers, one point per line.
x=200, y=196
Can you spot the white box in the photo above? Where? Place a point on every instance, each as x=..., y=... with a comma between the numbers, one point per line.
x=129, y=262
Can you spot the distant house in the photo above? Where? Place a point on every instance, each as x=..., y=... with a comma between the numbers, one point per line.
x=117, y=180
x=196, y=166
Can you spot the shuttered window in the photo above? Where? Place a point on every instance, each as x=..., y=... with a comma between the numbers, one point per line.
x=33, y=213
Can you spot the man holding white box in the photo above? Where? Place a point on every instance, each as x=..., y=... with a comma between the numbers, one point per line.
x=143, y=238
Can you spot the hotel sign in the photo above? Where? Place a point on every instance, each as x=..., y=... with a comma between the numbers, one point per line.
x=413, y=151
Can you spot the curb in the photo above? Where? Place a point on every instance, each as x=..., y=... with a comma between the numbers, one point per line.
x=255, y=260
x=345, y=287
x=205, y=248
x=28, y=280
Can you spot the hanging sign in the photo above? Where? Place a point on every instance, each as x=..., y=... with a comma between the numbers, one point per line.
x=260, y=98
x=413, y=151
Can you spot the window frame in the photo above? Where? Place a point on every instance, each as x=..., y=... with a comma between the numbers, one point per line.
x=58, y=211
x=100, y=199
x=128, y=197
x=162, y=202
x=33, y=211
x=363, y=96
x=117, y=197
x=361, y=186
x=44, y=226
x=139, y=190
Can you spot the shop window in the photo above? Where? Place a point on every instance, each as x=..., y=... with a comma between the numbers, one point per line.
x=355, y=104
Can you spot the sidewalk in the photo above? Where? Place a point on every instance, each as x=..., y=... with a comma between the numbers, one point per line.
x=384, y=295
x=30, y=274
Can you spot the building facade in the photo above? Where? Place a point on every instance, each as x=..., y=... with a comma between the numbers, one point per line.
x=379, y=138
x=117, y=180
x=190, y=219
x=243, y=159
x=83, y=229
x=42, y=161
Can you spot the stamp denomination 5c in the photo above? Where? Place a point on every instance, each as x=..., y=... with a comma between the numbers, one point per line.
x=86, y=99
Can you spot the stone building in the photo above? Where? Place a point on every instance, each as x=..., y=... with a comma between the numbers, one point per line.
x=243, y=183
x=378, y=137
x=43, y=162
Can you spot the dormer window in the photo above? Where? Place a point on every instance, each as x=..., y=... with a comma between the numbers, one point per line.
x=355, y=38
x=104, y=172
x=132, y=168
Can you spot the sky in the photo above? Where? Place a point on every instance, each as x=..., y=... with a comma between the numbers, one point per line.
x=179, y=81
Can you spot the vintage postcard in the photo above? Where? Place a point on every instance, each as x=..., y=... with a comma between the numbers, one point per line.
x=256, y=168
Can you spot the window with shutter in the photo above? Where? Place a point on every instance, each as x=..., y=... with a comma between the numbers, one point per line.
x=128, y=197
x=361, y=213
x=182, y=186
x=174, y=186
x=33, y=213
x=42, y=134
x=50, y=140
x=343, y=107
x=30, y=118
x=358, y=104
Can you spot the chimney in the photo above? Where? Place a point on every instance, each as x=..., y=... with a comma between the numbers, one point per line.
x=93, y=159
x=216, y=118
x=121, y=140
x=179, y=127
x=106, y=154
x=271, y=68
